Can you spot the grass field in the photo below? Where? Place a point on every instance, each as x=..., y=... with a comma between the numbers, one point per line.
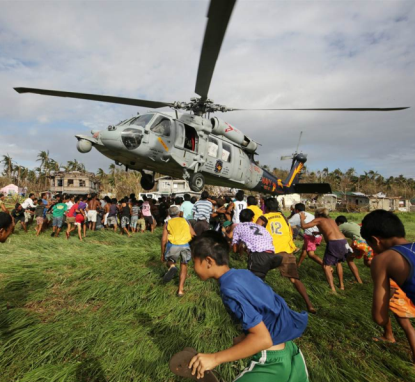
x=96, y=311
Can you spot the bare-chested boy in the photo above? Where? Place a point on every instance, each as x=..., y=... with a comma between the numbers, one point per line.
x=93, y=205
x=336, y=244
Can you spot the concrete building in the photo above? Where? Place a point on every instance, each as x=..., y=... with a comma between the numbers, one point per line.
x=357, y=201
x=74, y=183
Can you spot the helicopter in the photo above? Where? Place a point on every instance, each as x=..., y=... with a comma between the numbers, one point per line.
x=193, y=145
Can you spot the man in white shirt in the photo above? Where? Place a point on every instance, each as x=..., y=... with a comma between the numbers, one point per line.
x=312, y=237
x=27, y=205
x=237, y=206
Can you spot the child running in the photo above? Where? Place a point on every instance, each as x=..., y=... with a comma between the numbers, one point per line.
x=268, y=324
x=359, y=246
x=277, y=226
x=177, y=233
x=39, y=212
x=125, y=212
x=58, y=212
x=71, y=217
x=312, y=237
x=337, y=247
x=18, y=215
x=385, y=233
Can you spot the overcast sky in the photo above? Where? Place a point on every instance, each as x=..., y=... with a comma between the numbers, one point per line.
x=288, y=54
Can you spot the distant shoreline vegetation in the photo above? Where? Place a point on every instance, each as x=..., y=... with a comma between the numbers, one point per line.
x=118, y=181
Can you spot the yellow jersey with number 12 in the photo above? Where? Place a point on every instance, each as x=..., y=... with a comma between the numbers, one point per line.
x=281, y=232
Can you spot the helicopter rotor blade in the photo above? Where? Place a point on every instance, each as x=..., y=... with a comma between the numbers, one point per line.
x=95, y=97
x=334, y=109
x=219, y=15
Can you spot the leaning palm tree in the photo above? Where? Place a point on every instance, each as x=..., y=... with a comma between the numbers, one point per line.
x=101, y=174
x=8, y=164
x=81, y=167
x=45, y=159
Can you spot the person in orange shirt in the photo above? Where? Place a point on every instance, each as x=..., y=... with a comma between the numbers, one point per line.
x=403, y=309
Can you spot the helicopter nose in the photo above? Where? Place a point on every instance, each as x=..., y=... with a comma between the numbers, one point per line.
x=111, y=139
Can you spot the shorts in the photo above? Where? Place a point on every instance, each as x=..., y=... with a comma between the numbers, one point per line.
x=125, y=221
x=141, y=224
x=361, y=248
x=57, y=221
x=92, y=216
x=112, y=220
x=39, y=220
x=174, y=252
x=70, y=220
x=400, y=304
x=79, y=224
x=133, y=221
x=20, y=219
x=288, y=267
x=287, y=365
x=149, y=220
x=336, y=251
x=200, y=227
x=106, y=218
x=79, y=219
x=260, y=263
x=311, y=242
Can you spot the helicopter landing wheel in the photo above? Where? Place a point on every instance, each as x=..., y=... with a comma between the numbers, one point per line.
x=197, y=182
x=147, y=182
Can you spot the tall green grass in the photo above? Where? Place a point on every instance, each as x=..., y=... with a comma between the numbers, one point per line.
x=97, y=311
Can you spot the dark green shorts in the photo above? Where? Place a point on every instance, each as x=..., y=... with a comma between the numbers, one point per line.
x=287, y=365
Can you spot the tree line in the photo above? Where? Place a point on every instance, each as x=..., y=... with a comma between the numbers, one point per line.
x=118, y=181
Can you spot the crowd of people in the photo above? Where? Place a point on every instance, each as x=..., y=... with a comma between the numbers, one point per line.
x=205, y=230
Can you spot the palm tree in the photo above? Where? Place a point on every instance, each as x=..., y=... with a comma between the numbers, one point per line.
x=31, y=176
x=101, y=174
x=45, y=160
x=8, y=164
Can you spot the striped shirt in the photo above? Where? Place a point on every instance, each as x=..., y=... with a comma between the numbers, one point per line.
x=202, y=210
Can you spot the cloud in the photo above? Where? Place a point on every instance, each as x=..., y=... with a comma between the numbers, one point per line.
x=275, y=55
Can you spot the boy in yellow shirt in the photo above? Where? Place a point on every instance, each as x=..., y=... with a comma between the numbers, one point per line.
x=177, y=234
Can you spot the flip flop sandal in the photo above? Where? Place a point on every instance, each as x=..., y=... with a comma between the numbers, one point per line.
x=179, y=365
x=170, y=275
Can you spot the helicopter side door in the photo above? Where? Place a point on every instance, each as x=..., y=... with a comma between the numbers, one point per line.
x=186, y=145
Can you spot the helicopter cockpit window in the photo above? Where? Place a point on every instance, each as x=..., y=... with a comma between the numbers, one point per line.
x=226, y=152
x=213, y=147
x=162, y=127
x=142, y=120
x=131, y=138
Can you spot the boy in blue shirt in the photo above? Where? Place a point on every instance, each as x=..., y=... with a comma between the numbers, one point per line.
x=269, y=325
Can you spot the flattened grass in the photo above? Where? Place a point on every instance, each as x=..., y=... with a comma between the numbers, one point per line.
x=97, y=311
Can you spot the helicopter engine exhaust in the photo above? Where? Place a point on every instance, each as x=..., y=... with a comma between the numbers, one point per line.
x=223, y=128
x=84, y=146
